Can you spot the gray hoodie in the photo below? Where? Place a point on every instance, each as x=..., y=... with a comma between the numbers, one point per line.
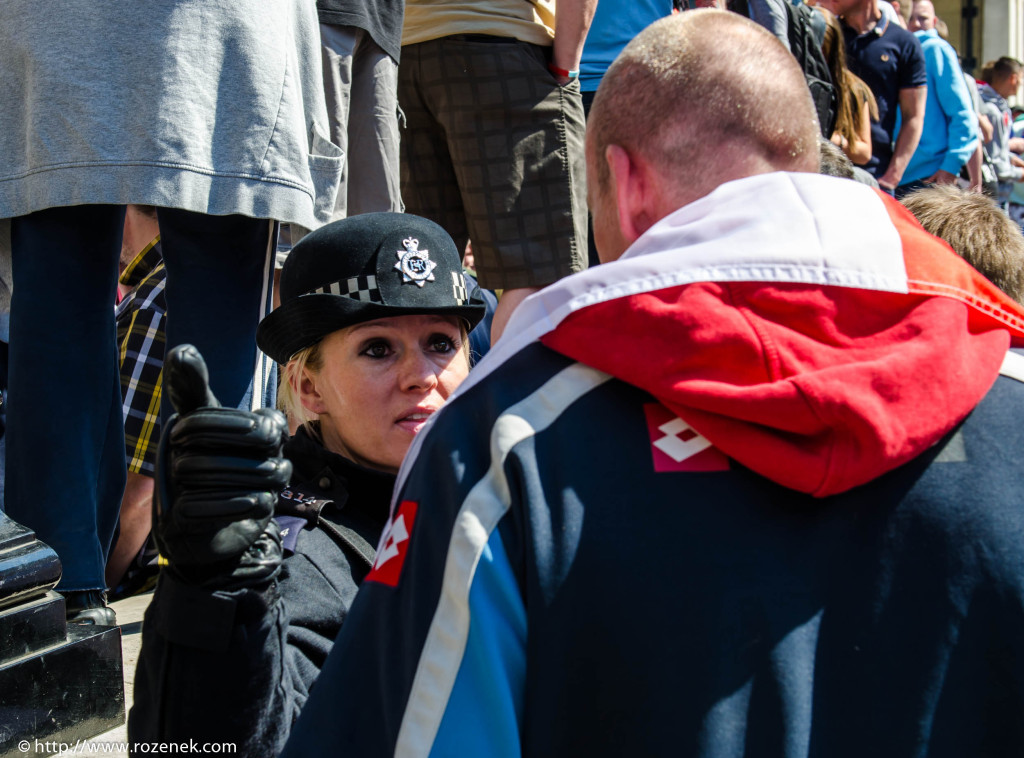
x=998, y=149
x=213, y=106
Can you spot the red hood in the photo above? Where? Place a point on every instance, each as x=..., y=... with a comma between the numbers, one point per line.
x=795, y=368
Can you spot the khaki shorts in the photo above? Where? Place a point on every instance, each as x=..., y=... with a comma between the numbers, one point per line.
x=362, y=113
x=493, y=152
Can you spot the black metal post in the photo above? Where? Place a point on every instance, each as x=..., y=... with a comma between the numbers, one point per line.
x=58, y=682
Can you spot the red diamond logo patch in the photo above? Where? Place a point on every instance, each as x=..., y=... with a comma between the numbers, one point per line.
x=675, y=446
x=388, y=567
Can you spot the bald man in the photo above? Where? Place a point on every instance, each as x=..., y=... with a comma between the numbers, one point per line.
x=714, y=497
x=922, y=16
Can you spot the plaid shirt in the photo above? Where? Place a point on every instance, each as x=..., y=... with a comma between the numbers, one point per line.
x=141, y=317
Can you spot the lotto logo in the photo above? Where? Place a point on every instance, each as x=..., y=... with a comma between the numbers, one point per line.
x=675, y=446
x=388, y=567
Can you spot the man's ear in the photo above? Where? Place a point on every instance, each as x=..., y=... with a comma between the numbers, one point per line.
x=305, y=386
x=635, y=191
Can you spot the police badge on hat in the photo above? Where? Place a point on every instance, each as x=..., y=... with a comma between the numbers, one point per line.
x=415, y=264
x=345, y=273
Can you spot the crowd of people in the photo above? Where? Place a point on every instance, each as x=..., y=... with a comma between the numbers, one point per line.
x=746, y=483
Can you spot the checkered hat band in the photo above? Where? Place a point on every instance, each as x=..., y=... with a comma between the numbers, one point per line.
x=362, y=288
x=459, y=288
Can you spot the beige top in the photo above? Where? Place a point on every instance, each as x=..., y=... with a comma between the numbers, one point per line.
x=526, y=20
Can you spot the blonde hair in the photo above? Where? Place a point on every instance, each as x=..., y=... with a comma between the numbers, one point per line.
x=288, y=399
x=977, y=229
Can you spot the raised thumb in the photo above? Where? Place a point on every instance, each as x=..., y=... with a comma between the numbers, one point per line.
x=186, y=380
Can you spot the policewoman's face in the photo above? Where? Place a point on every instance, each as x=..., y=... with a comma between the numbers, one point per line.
x=380, y=382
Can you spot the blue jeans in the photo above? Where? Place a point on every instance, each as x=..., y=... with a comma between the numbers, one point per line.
x=220, y=273
x=65, y=437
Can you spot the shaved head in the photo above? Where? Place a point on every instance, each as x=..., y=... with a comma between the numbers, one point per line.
x=707, y=96
x=922, y=16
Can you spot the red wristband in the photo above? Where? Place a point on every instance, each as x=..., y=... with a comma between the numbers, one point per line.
x=563, y=72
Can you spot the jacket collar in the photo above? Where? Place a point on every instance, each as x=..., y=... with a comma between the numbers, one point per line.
x=337, y=478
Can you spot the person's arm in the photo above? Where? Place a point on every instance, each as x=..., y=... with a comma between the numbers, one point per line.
x=912, y=100
x=214, y=660
x=485, y=708
x=992, y=116
x=859, y=151
x=242, y=680
x=572, y=22
x=974, y=164
x=213, y=668
x=985, y=127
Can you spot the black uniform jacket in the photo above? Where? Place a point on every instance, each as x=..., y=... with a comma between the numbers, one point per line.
x=238, y=666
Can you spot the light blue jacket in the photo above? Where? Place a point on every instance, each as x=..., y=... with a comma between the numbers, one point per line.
x=950, y=132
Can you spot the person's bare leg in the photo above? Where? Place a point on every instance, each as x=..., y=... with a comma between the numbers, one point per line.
x=509, y=301
x=136, y=521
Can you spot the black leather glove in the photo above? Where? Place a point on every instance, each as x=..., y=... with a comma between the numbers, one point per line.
x=217, y=477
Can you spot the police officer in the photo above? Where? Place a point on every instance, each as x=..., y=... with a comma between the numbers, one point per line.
x=268, y=538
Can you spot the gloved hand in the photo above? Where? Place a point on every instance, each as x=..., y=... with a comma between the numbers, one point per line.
x=217, y=477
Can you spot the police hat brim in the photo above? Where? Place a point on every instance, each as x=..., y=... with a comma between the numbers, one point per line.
x=305, y=320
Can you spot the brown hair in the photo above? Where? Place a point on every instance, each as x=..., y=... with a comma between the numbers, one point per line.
x=854, y=94
x=977, y=229
x=1004, y=68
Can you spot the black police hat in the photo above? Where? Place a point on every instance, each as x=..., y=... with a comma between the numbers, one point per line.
x=365, y=267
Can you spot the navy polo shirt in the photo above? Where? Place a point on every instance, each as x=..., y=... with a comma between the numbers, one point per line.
x=888, y=58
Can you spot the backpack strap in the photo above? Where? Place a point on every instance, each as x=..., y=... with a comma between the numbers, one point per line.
x=806, y=48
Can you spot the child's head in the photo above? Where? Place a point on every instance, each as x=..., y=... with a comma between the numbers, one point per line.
x=977, y=230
